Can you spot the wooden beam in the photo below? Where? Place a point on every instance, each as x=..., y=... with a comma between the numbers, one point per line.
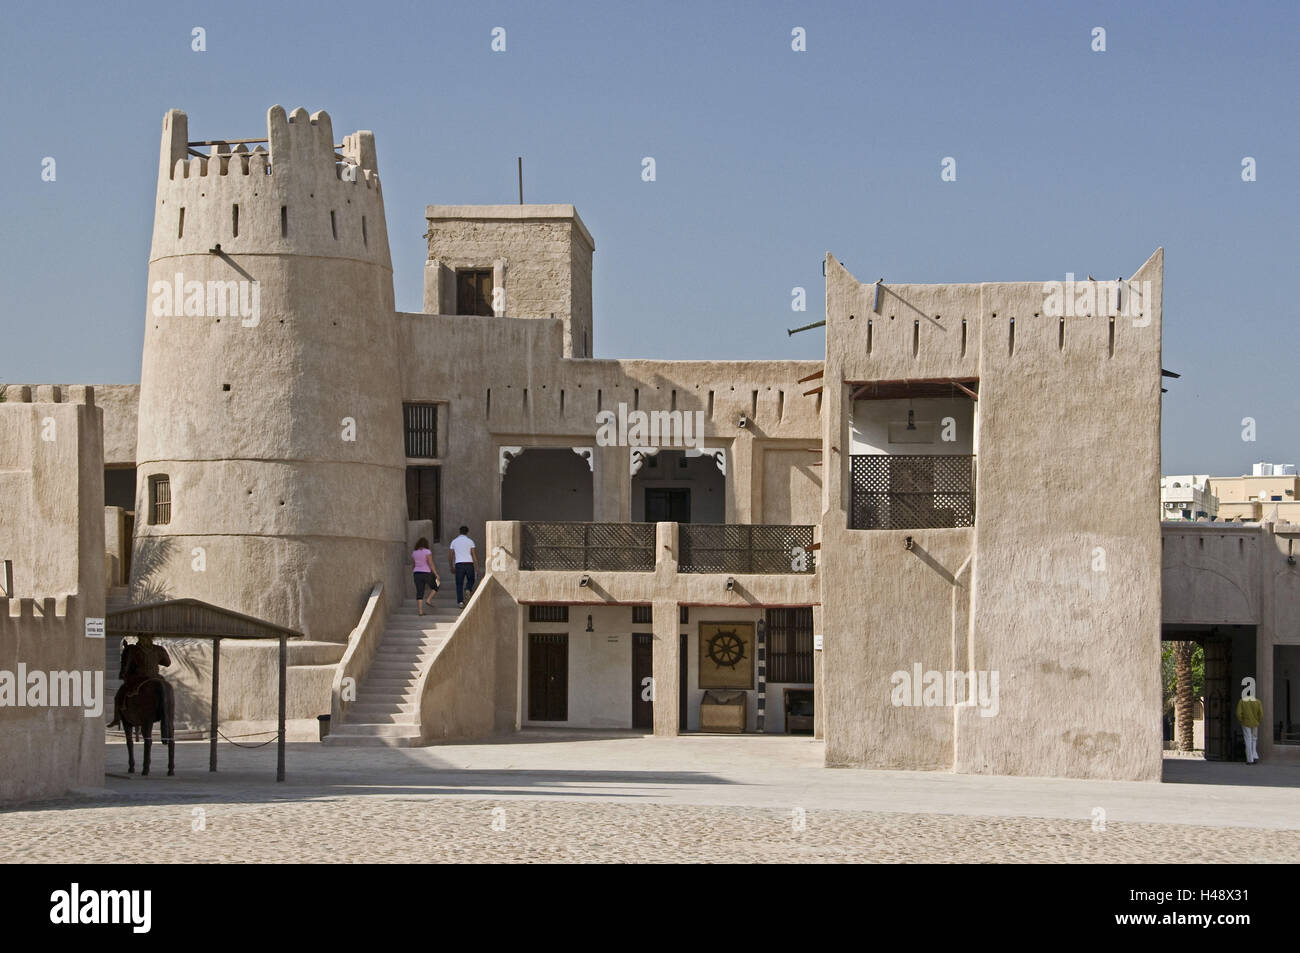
x=811, y=377
x=227, y=142
x=815, y=390
x=966, y=390
x=964, y=384
x=919, y=380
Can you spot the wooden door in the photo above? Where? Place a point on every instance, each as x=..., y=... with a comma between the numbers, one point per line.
x=683, y=672
x=423, y=497
x=548, y=677
x=642, y=672
x=665, y=505
x=1218, y=699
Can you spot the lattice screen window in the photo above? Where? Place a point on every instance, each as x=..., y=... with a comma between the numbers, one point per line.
x=548, y=613
x=790, y=645
x=421, y=428
x=160, y=499
x=906, y=491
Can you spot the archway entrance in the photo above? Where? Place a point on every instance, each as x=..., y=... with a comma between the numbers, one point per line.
x=546, y=484
x=679, y=486
x=1199, y=713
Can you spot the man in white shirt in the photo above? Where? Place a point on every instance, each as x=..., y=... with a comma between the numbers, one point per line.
x=461, y=556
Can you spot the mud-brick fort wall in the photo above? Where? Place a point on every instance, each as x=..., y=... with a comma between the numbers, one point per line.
x=52, y=528
x=279, y=432
x=1052, y=588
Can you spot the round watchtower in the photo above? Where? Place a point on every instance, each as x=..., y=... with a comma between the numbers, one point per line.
x=270, y=458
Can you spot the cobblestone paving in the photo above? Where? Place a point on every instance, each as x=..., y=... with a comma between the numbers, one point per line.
x=381, y=829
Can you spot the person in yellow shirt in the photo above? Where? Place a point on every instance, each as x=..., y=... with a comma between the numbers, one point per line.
x=1250, y=712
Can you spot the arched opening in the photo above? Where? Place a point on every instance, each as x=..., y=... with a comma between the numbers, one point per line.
x=679, y=487
x=547, y=483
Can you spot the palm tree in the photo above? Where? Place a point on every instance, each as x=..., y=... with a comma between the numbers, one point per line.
x=1184, y=700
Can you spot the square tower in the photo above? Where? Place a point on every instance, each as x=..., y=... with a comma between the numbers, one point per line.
x=517, y=261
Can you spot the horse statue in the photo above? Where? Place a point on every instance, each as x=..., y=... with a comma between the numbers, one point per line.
x=145, y=698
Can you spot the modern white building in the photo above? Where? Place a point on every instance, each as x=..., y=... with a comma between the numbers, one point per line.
x=1273, y=469
x=1187, y=497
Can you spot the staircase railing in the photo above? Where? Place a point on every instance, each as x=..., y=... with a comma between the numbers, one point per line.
x=363, y=643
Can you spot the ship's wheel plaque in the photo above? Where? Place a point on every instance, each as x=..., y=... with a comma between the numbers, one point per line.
x=726, y=655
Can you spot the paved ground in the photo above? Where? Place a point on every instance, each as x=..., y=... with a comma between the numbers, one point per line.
x=552, y=796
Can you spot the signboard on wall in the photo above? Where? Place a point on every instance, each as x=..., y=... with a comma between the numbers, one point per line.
x=726, y=655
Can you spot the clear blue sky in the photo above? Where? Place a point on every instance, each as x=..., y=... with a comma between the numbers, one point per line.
x=1069, y=160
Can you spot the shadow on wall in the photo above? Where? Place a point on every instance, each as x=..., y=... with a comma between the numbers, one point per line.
x=190, y=673
x=148, y=557
x=191, y=658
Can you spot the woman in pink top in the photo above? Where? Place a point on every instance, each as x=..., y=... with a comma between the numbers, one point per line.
x=425, y=574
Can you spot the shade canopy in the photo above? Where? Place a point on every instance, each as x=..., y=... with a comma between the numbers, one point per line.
x=191, y=619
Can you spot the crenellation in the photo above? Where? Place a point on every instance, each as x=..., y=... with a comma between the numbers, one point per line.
x=40, y=617
x=284, y=194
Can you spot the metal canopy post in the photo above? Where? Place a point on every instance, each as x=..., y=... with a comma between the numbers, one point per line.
x=762, y=675
x=284, y=658
x=216, y=689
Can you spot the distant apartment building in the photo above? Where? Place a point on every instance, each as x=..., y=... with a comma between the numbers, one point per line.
x=1187, y=497
x=1252, y=497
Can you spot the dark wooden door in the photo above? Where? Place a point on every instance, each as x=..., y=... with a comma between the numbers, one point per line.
x=683, y=671
x=666, y=505
x=643, y=713
x=423, y=497
x=548, y=677
x=1218, y=699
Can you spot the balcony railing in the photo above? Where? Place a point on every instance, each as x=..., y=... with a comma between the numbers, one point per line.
x=911, y=491
x=744, y=548
x=610, y=547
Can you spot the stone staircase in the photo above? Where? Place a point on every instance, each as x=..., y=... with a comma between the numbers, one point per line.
x=386, y=711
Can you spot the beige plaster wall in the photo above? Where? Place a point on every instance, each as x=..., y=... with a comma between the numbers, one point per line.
x=1065, y=639
x=546, y=251
x=470, y=689
x=52, y=528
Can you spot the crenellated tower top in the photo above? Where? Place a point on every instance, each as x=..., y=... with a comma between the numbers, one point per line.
x=305, y=194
